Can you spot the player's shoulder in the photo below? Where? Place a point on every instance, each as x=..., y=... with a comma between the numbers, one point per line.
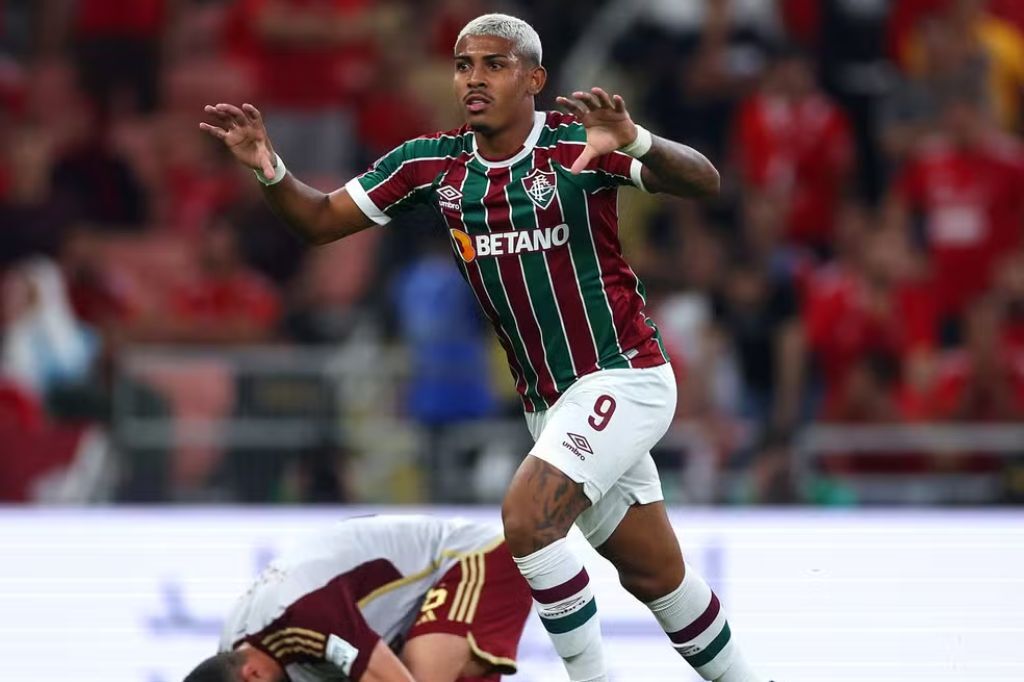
x=561, y=127
x=442, y=143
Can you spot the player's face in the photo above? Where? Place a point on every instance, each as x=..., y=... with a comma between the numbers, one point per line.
x=493, y=84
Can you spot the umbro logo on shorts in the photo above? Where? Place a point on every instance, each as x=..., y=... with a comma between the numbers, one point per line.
x=577, y=444
x=580, y=442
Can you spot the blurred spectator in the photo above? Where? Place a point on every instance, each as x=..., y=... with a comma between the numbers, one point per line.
x=99, y=294
x=756, y=312
x=32, y=220
x=963, y=188
x=44, y=346
x=447, y=19
x=118, y=52
x=685, y=267
x=948, y=64
x=1008, y=291
x=439, y=320
x=984, y=380
x=794, y=144
x=311, y=59
x=327, y=293
x=870, y=324
x=999, y=43
x=227, y=302
x=97, y=179
x=705, y=57
x=440, y=323
x=197, y=180
x=848, y=37
x=389, y=110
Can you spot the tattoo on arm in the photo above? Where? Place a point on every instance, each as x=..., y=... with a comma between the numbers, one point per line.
x=680, y=170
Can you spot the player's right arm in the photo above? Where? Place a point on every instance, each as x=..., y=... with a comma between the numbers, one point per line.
x=317, y=217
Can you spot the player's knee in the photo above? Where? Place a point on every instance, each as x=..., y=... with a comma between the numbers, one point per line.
x=650, y=586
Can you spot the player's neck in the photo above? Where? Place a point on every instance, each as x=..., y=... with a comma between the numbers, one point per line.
x=501, y=144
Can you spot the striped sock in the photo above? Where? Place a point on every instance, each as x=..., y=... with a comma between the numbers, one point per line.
x=567, y=609
x=692, y=617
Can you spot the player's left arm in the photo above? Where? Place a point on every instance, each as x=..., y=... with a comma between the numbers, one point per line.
x=668, y=166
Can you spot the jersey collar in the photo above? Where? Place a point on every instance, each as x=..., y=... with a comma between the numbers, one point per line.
x=531, y=142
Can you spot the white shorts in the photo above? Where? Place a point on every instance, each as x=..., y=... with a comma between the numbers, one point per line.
x=600, y=433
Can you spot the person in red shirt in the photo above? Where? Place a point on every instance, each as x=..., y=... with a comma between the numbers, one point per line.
x=118, y=47
x=311, y=60
x=225, y=302
x=793, y=143
x=870, y=324
x=984, y=379
x=229, y=302
x=964, y=186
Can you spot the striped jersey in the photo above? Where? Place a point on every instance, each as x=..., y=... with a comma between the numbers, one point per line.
x=538, y=245
x=320, y=608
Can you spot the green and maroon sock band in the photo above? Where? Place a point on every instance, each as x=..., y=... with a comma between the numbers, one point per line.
x=685, y=640
x=565, y=607
x=567, y=589
x=702, y=623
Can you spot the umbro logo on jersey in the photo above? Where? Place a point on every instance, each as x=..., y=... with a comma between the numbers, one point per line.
x=509, y=243
x=449, y=197
x=540, y=187
x=578, y=445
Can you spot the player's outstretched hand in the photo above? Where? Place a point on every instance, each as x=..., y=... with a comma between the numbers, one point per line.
x=607, y=122
x=243, y=132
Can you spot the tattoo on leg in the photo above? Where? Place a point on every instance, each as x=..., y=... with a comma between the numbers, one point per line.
x=557, y=501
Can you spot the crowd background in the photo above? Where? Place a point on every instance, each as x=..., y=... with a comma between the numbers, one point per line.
x=863, y=265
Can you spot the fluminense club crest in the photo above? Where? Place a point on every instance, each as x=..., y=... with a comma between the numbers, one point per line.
x=540, y=187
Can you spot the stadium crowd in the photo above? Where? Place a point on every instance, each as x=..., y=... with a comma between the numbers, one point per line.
x=864, y=262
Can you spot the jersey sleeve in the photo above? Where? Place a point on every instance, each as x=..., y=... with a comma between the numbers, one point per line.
x=324, y=628
x=606, y=171
x=396, y=182
x=620, y=169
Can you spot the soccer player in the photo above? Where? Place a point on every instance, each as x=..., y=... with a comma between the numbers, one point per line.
x=529, y=200
x=447, y=593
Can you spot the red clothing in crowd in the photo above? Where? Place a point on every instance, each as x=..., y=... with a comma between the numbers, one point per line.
x=961, y=393
x=136, y=19
x=801, y=151
x=843, y=327
x=1011, y=10
x=195, y=195
x=307, y=77
x=972, y=203
x=242, y=296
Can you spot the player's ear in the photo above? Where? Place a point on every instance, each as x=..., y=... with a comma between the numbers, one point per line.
x=538, y=76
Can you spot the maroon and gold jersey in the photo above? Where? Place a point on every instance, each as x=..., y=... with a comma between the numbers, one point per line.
x=538, y=245
x=320, y=608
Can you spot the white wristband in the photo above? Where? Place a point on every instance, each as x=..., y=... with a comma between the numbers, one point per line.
x=279, y=172
x=641, y=145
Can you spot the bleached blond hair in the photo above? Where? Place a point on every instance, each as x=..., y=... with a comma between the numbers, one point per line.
x=524, y=38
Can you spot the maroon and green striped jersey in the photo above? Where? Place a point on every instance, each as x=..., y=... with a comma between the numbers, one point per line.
x=538, y=245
